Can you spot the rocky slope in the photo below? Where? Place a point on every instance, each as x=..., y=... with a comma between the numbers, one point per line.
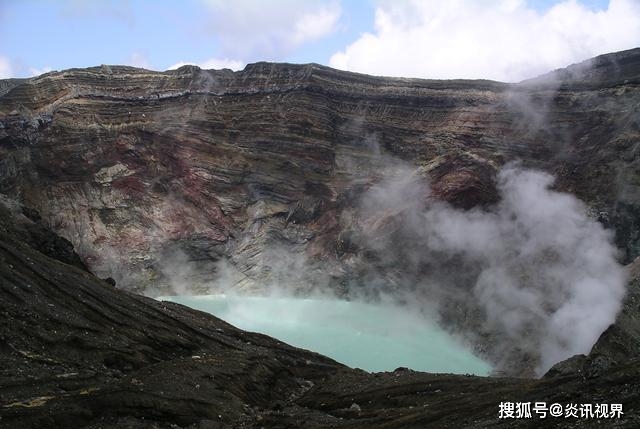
x=205, y=179
x=78, y=353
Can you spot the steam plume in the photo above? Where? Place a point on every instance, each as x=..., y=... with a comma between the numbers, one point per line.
x=542, y=274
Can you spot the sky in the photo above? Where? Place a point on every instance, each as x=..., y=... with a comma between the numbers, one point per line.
x=507, y=40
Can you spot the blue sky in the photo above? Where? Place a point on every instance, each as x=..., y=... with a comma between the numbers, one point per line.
x=499, y=39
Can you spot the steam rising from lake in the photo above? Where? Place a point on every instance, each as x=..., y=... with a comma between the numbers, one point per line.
x=373, y=337
x=543, y=274
x=531, y=277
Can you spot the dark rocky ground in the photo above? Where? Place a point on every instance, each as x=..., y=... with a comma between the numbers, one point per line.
x=78, y=353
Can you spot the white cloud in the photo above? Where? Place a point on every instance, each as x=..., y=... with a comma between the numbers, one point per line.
x=315, y=24
x=139, y=60
x=6, y=71
x=494, y=39
x=254, y=30
x=37, y=72
x=212, y=63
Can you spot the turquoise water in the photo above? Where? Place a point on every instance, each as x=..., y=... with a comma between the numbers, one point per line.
x=373, y=337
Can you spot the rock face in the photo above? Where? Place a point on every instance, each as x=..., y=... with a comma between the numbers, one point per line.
x=144, y=170
x=79, y=353
x=622, y=339
x=207, y=179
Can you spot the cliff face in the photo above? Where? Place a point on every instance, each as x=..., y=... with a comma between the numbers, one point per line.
x=212, y=179
x=140, y=169
x=133, y=166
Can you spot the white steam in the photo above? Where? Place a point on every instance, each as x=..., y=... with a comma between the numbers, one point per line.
x=532, y=279
x=543, y=273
